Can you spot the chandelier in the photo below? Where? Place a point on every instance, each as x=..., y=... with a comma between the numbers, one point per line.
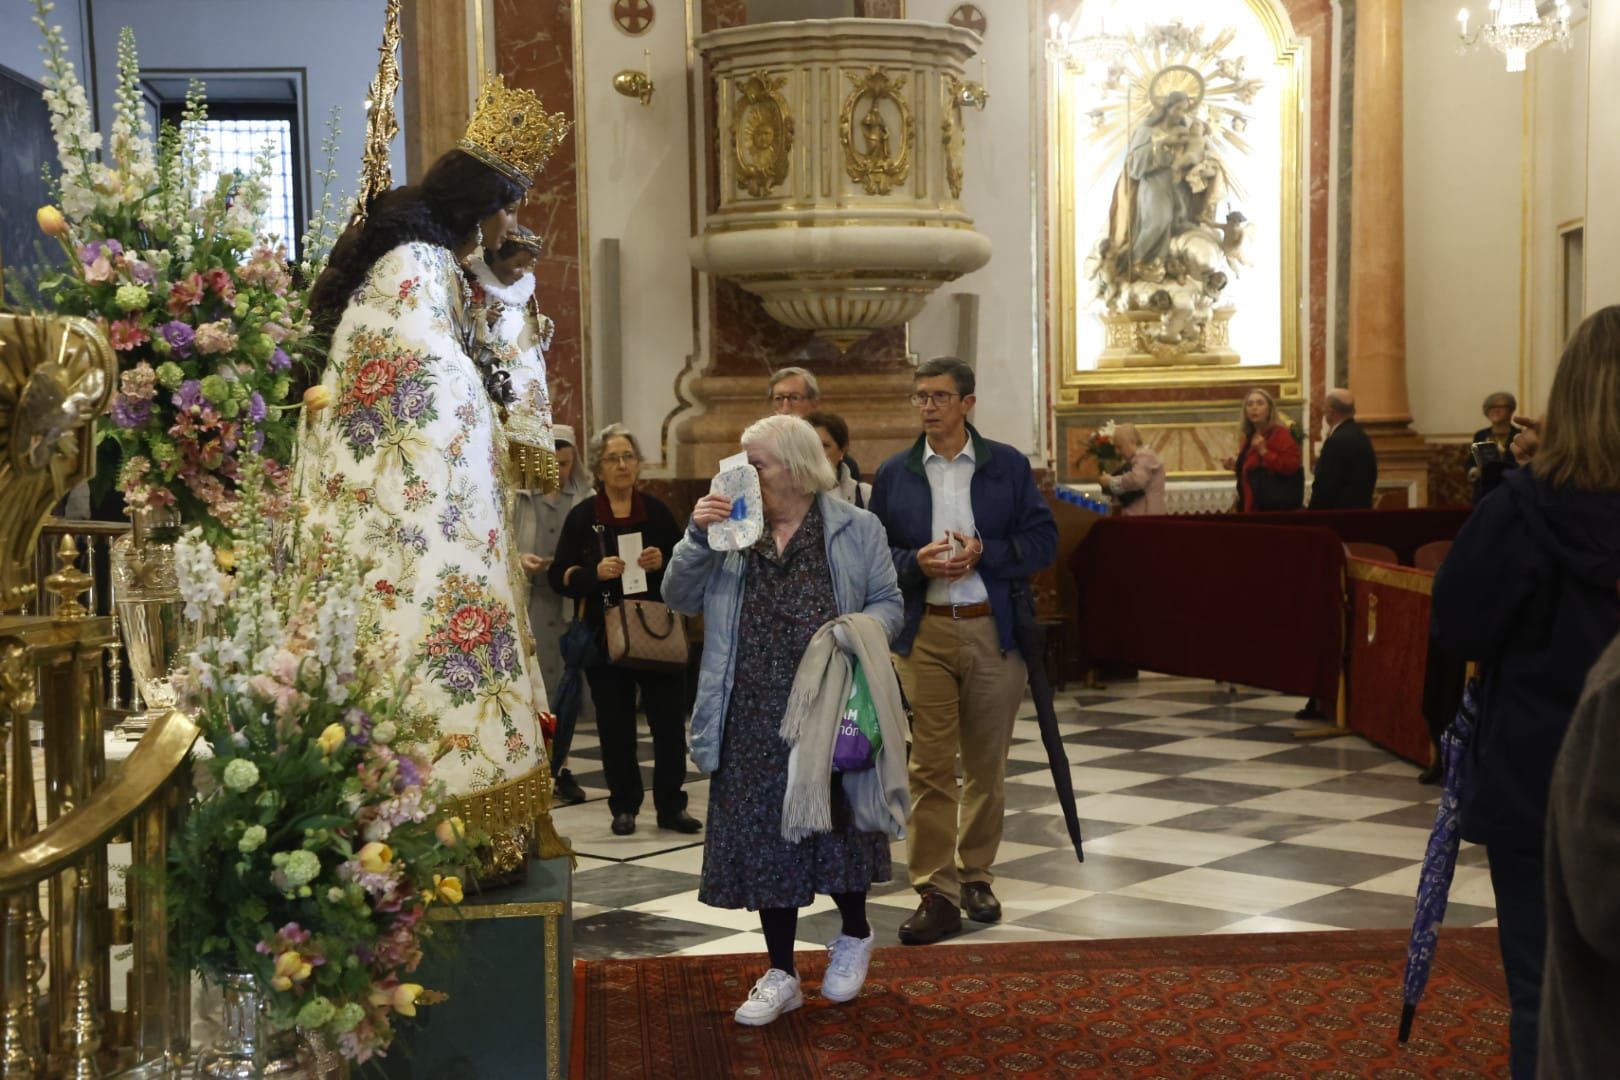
x=1515, y=28
x=1065, y=44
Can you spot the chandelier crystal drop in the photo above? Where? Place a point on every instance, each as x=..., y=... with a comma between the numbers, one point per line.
x=1516, y=28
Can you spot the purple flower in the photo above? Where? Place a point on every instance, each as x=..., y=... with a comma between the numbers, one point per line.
x=503, y=652
x=280, y=361
x=179, y=336
x=129, y=412
x=256, y=410
x=95, y=249
x=258, y=440
x=362, y=427
x=409, y=774
x=461, y=671
x=412, y=538
x=409, y=399
x=448, y=520
x=143, y=272
x=189, y=396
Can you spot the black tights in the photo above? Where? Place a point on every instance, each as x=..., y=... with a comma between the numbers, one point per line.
x=782, y=924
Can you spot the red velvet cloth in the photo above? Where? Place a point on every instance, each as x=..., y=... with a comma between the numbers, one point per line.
x=1389, y=648
x=1254, y=604
x=1403, y=530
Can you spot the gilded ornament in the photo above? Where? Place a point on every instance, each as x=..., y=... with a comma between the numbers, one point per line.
x=376, y=173
x=875, y=165
x=951, y=132
x=761, y=135
x=511, y=131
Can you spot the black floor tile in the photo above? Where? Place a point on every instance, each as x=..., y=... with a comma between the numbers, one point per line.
x=1256, y=824
x=1355, y=909
x=1099, y=873
x=1296, y=862
x=635, y=933
x=1150, y=761
x=1198, y=790
x=627, y=884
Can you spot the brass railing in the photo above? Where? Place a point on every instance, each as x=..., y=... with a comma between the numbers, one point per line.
x=62, y=805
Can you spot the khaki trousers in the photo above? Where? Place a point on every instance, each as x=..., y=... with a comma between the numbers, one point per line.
x=964, y=695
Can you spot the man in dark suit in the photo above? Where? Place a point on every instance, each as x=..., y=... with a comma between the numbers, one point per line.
x=1346, y=466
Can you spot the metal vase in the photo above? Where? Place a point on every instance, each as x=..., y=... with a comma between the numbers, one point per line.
x=248, y=1047
x=150, y=611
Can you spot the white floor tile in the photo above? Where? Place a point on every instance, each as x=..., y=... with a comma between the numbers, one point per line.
x=1189, y=727
x=1035, y=751
x=687, y=860
x=1225, y=890
x=1268, y=774
x=1267, y=924
x=1276, y=703
x=1323, y=804
x=1132, y=809
x=1399, y=841
x=688, y=907
x=1223, y=749
x=726, y=946
x=1182, y=847
x=1144, y=707
x=1469, y=885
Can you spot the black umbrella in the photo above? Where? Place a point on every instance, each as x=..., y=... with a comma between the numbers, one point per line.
x=1031, y=640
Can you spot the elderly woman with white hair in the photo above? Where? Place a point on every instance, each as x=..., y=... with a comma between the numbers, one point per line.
x=819, y=558
x=587, y=568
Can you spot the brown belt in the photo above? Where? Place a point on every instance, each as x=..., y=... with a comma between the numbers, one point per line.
x=961, y=611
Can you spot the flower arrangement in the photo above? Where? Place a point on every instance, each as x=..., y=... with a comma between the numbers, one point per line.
x=1101, y=446
x=319, y=839
x=206, y=316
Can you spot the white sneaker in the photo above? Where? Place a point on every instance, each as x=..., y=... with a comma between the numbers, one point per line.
x=776, y=992
x=847, y=960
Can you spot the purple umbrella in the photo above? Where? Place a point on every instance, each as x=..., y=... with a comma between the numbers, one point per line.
x=1439, y=861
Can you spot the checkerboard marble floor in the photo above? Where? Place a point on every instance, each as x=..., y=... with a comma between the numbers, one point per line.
x=1202, y=813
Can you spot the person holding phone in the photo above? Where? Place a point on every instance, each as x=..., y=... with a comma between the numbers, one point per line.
x=1491, y=454
x=967, y=528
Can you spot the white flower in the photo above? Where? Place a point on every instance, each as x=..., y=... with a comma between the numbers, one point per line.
x=252, y=837
x=240, y=774
x=384, y=732
x=202, y=586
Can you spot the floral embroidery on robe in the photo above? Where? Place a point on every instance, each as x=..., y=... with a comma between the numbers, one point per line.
x=412, y=452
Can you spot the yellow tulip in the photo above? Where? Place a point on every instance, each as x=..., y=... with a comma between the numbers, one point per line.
x=317, y=398
x=226, y=558
x=290, y=968
x=447, y=888
x=450, y=831
x=375, y=857
x=51, y=221
x=331, y=740
x=401, y=998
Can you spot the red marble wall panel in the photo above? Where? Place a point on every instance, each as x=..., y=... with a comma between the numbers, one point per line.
x=534, y=50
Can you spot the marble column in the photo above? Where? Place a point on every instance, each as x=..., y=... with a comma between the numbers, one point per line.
x=1378, y=258
x=433, y=70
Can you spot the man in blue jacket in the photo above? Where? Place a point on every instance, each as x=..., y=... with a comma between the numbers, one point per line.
x=968, y=528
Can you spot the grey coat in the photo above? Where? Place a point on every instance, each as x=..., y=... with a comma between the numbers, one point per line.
x=538, y=520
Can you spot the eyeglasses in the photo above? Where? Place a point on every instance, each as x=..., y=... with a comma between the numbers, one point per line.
x=619, y=459
x=789, y=399
x=938, y=398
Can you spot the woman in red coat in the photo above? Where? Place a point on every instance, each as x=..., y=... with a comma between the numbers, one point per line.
x=1269, y=464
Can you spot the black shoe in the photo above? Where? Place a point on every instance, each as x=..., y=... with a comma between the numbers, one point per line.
x=567, y=789
x=624, y=824
x=680, y=821
x=935, y=918
x=1432, y=775
x=980, y=903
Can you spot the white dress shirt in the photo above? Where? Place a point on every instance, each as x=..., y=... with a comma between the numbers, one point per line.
x=951, y=481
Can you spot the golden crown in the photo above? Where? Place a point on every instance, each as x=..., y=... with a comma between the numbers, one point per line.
x=511, y=131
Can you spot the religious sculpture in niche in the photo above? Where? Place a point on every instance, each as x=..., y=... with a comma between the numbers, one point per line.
x=876, y=164
x=761, y=134
x=1175, y=237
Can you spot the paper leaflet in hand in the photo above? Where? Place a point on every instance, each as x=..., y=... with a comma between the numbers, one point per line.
x=740, y=484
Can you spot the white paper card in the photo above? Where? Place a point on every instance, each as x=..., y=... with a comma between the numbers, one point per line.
x=735, y=461
x=635, y=578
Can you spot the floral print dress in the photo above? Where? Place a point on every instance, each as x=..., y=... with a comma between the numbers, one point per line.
x=411, y=456
x=746, y=863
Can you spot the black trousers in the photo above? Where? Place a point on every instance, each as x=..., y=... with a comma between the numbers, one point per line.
x=1519, y=880
x=663, y=697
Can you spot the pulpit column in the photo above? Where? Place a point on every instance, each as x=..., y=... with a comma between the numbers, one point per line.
x=1378, y=256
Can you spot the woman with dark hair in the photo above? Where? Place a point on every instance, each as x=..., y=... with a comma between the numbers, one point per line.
x=1529, y=591
x=404, y=444
x=834, y=435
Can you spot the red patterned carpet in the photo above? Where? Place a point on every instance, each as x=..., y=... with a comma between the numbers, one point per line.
x=1318, y=1005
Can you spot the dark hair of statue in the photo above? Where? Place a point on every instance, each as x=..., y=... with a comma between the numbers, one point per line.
x=444, y=208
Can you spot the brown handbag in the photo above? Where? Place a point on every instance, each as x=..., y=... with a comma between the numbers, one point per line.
x=645, y=635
